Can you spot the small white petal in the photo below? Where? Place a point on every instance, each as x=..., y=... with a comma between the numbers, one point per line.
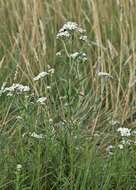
x=40, y=75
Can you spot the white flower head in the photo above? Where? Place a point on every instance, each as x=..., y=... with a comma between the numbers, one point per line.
x=134, y=132
x=83, y=38
x=109, y=148
x=50, y=120
x=64, y=34
x=126, y=141
x=58, y=53
x=40, y=75
x=74, y=55
x=120, y=146
x=51, y=71
x=83, y=57
x=42, y=100
x=37, y=136
x=124, y=132
x=79, y=56
x=68, y=28
x=71, y=26
x=17, y=88
x=19, y=167
x=48, y=87
x=104, y=75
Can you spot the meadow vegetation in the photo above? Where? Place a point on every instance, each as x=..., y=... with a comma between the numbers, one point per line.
x=67, y=95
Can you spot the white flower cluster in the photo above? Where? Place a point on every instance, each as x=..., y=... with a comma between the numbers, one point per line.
x=16, y=88
x=124, y=132
x=71, y=26
x=40, y=75
x=19, y=167
x=120, y=146
x=51, y=71
x=104, y=75
x=84, y=38
x=42, y=100
x=58, y=53
x=127, y=141
x=109, y=149
x=79, y=56
x=68, y=28
x=43, y=74
x=74, y=55
x=64, y=34
x=37, y=136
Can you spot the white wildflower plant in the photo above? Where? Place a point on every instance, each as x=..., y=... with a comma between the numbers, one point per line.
x=71, y=30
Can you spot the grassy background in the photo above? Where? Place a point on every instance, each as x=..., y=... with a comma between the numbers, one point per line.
x=77, y=117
